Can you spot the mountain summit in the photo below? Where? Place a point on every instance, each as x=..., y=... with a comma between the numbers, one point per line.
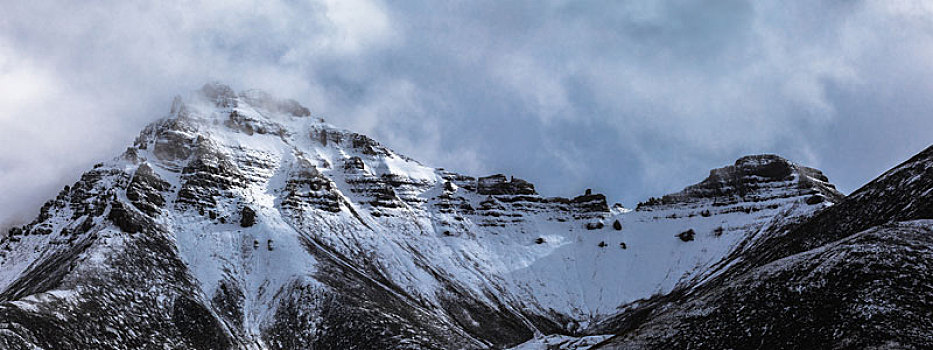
x=242, y=221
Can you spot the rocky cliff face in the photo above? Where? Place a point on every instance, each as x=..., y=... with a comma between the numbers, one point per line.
x=241, y=221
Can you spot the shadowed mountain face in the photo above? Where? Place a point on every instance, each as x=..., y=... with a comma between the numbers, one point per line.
x=241, y=221
x=857, y=275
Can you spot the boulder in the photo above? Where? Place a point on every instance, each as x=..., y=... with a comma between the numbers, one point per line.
x=687, y=235
x=247, y=217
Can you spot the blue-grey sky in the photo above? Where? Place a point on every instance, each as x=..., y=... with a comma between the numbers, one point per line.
x=630, y=98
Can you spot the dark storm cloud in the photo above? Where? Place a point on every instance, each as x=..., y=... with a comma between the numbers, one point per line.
x=631, y=98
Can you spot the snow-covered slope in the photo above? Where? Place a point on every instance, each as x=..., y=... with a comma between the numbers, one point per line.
x=285, y=230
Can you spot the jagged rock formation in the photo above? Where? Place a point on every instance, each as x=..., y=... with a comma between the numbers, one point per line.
x=241, y=221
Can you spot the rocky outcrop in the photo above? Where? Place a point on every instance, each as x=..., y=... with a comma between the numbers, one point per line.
x=501, y=185
x=590, y=203
x=145, y=190
x=86, y=199
x=222, y=95
x=753, y=179
x=349, y=140
x=262, y=100
x=247, y=217
x=126, y=219
x=172, y=141
x=206, y=177
x=307, y=189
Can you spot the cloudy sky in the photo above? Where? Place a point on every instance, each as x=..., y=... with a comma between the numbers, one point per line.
x=630, y=98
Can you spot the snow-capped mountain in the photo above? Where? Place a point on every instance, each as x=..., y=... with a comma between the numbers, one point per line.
x=242, y=221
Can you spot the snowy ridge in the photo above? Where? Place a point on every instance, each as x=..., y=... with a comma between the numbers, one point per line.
x=262, y=201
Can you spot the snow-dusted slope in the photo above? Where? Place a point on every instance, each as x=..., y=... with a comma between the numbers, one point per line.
x=279, y=222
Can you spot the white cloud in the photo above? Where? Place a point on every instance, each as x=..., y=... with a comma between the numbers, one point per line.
x=22, y=83
x=539, y=88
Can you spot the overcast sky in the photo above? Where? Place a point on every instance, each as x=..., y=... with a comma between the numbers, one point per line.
x=630, y=98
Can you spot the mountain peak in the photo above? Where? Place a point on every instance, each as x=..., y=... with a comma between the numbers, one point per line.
x=217, y=91
x=761, y=160
x=218, y=95
x=756, y=178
